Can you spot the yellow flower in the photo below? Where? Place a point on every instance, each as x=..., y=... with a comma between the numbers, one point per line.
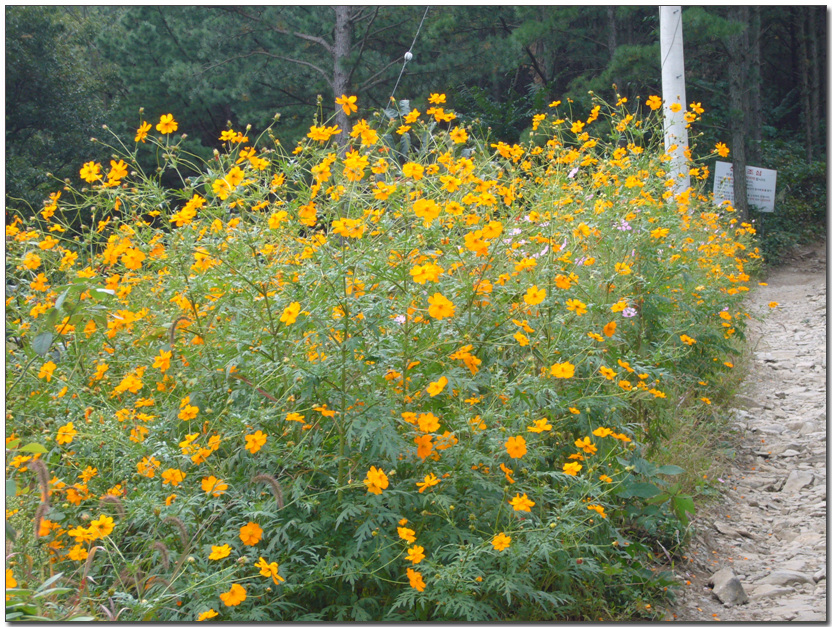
x=408, y=535
x=675, y=107
x=428, y=482
x=66, y=434
x=46, y=371
x=11, y=582
x=376, y=480
x=251, y=533
x=426, y=272
x=608, y=373
x=687, y=340
x=142, y=131
x=415, y=554
x=91, y=172
x=521, y=503
x=440, y=307
x=427, y=209
x=516, y=447
x=347, y=103
x=654, y=102
x=78, y=553
x=534, y=295
x=349, y=228
x=597, y=508
x=413, y=170
x=436, y=387
x=540, y=426
x=416, y=580
x=295, y=417
x=162, y=360
x=173, y=476
x=501, y=542
x=322, y=133
x=459, y=136
x=572, y=468
x=563, y=370
x=206, y=615
x=773, y=304
x=102, y=527
x=290, y=313
x=428, y=423
x=219, y=552
x=424, y=446
x=214, y=486
x=255, y=441
x=235, y=596
x=167, y=124
x=586, y=446
x=436, y=99
x=722, y=150
x=269, y=570
x=577, y=306
x=188, y=412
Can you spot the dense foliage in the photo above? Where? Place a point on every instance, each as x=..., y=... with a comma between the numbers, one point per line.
x=410, y=378
x=70, y=69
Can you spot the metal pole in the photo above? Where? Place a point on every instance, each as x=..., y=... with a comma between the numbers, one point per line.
x=673, y=92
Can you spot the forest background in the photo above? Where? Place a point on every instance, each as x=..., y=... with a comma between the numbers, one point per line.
x=759, y=71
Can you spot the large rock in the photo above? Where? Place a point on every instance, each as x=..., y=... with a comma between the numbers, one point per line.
x=797, y=480
x=727, y=587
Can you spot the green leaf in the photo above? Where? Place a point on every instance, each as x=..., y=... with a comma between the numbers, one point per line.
x=682, y=505
x=11, y=487
x=42, y=342
x=641, y=490
x=49, y=582
x=34, y=447
x=669, y=469
x=11, y=534
x=12, y=444
x=59, y=303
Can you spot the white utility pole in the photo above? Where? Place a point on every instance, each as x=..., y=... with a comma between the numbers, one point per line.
x=673, y=92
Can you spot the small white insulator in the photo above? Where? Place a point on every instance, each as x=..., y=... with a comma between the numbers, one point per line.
x=408, y=56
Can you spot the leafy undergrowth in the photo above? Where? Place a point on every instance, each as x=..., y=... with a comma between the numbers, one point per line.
x=411, y=378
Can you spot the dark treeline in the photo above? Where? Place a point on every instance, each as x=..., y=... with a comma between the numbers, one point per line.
x=760, y=72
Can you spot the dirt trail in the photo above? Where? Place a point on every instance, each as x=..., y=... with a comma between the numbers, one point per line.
x=763, y=547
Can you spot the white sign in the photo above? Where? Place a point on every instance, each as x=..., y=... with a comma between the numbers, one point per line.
x=759, y=185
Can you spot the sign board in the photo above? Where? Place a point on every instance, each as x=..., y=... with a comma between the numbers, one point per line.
x=759, y=183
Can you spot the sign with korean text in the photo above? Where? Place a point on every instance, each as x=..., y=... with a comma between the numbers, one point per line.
x=759, y=183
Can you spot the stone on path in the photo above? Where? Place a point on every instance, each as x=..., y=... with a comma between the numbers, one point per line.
x=727, y=587
x=797, y=480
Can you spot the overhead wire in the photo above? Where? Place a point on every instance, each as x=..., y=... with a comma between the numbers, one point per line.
x=409, y=54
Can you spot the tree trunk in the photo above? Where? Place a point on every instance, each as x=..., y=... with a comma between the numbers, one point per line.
x=340, y=73
x=755, y=92
x=819, y=17
x=800, y=15
x=738, y=103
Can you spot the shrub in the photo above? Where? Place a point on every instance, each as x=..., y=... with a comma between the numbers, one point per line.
x=408, y=378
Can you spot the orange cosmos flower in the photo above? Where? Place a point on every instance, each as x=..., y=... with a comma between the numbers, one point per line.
x=235, y=596
x=516, y=447
x=251, y=533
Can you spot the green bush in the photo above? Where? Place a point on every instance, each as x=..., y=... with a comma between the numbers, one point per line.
x=799, y=215
x=409, y=378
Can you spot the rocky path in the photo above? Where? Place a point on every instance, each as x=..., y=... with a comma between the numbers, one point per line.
x=760, y=554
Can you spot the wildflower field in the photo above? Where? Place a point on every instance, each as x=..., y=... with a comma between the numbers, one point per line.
x=415, y=376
